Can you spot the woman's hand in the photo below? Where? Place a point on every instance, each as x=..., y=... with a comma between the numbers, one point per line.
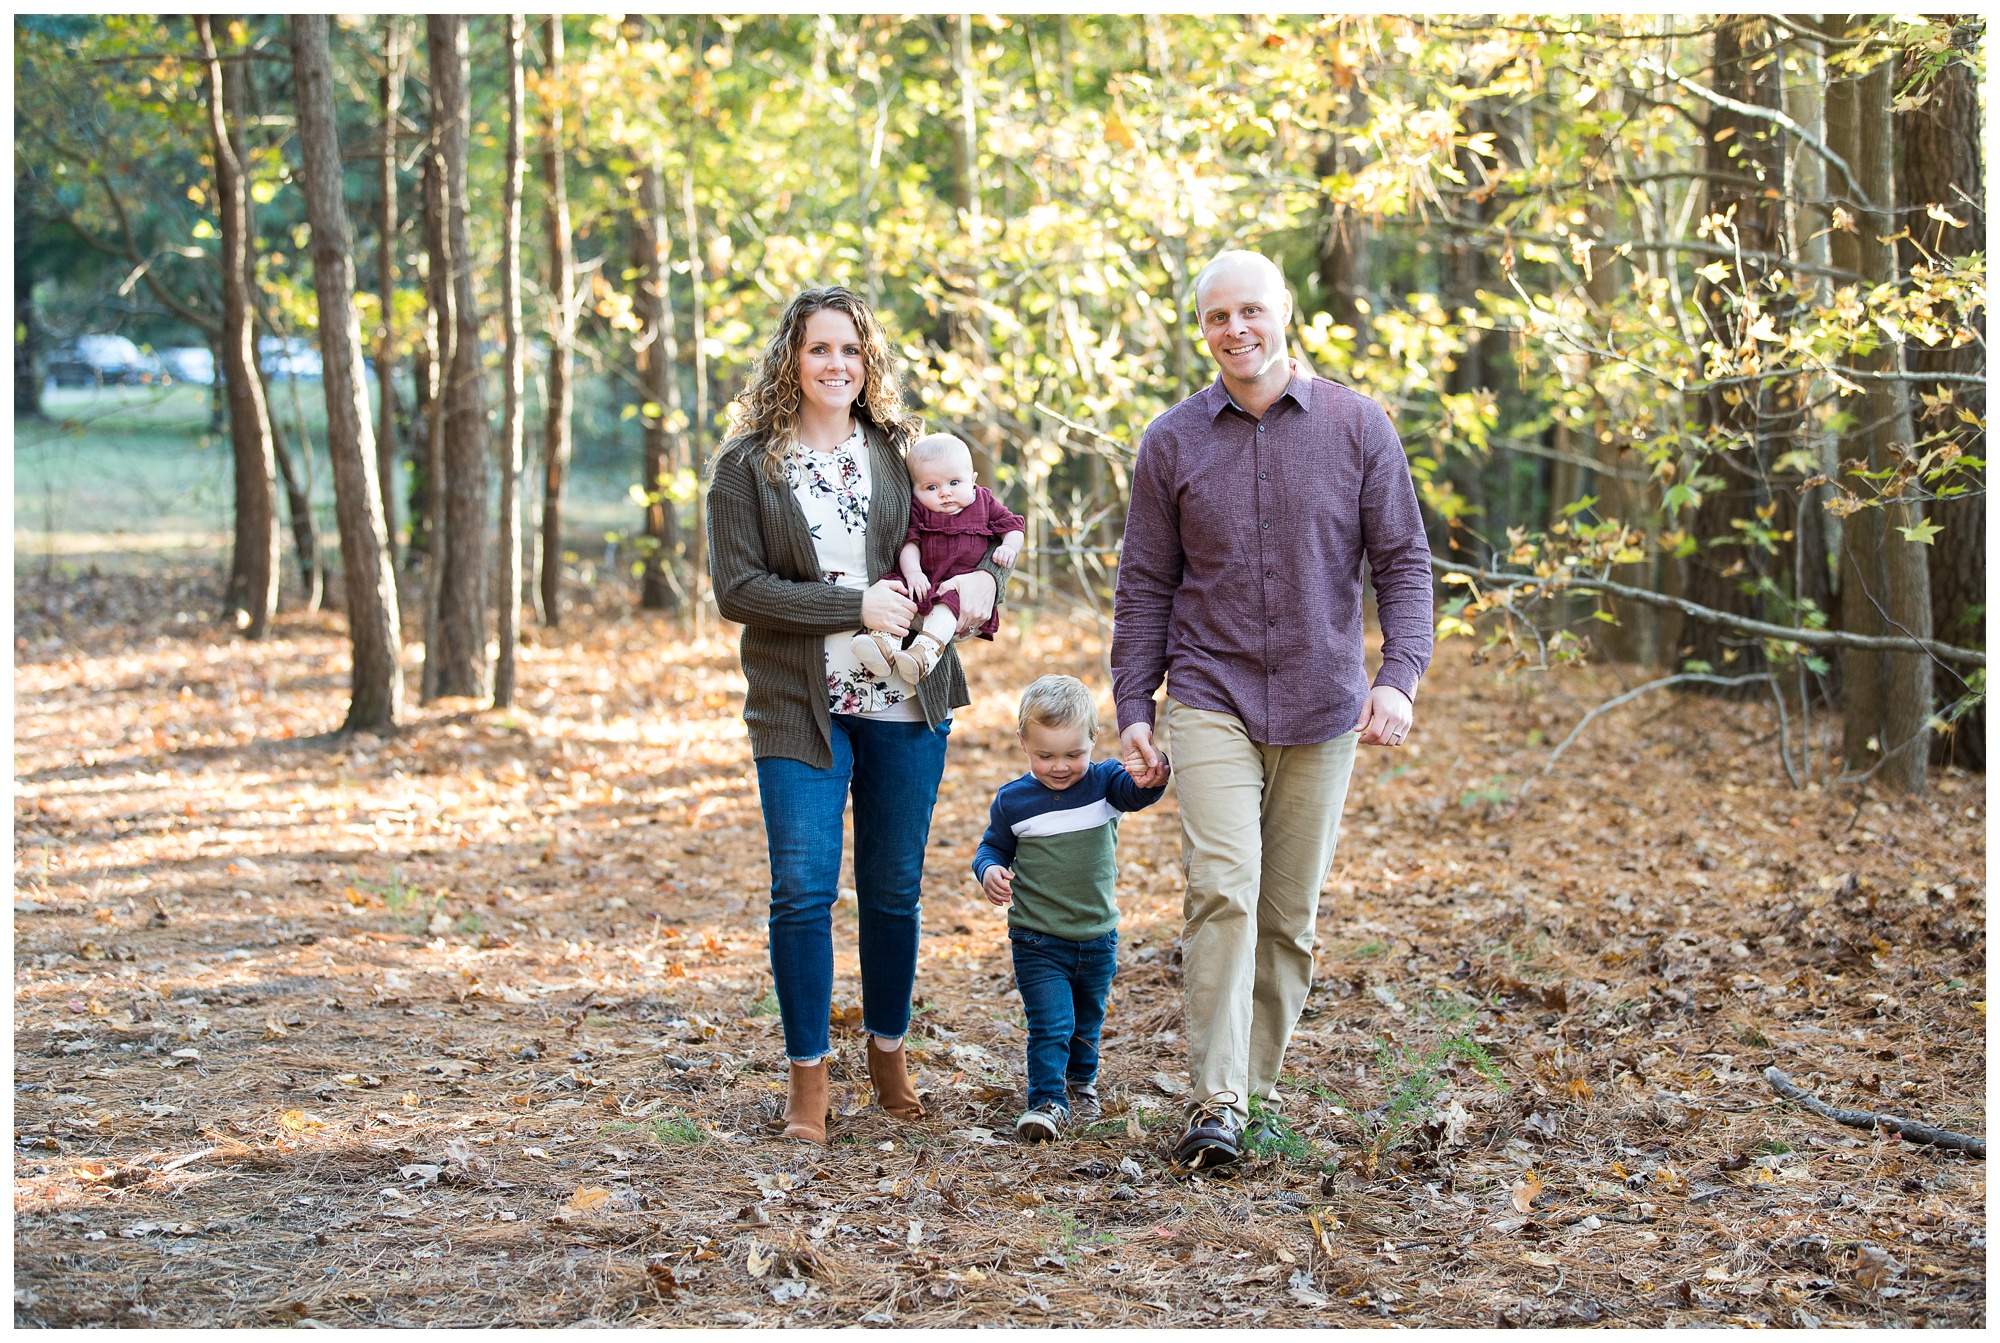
x=976, y=592
x=885, y=606
x=999, y=884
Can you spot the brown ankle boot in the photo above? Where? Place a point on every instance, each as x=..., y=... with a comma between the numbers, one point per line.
x=888, y=1069
x=805, y=1102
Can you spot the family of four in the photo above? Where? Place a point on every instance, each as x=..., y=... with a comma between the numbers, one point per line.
x=855, y=552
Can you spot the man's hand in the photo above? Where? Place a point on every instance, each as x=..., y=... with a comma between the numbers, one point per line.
x=1142, y=760
x=976, y=593
x=1385, y=718
x=999, y=885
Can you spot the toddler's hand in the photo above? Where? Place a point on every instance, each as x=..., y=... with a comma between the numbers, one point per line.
x=999, y=885
x=920, y=583
x=1005, y=555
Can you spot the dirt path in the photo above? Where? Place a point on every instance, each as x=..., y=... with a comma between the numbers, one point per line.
x=473, y=1026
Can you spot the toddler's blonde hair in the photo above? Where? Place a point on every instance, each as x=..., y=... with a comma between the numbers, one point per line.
x=1058, y=701
x=933, y=446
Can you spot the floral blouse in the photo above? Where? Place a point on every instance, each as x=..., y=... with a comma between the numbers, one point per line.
x=832, y=492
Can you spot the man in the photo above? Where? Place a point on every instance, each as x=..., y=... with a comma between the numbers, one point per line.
x=1253, y=502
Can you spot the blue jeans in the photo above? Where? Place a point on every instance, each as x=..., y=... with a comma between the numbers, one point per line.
x=1063, y=987
x=892, y=770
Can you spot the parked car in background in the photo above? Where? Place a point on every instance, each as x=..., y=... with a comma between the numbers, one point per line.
x=292, y=357
x=189, y=363
x=101, y=361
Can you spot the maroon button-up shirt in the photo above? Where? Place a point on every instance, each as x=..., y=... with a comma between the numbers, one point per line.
x=1240, y=578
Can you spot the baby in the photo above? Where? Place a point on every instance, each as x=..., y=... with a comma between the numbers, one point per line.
x=954, y=519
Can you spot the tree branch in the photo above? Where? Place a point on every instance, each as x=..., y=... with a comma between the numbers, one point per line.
x=1763, y=629
x=1906, y=1129
x=1771, y=115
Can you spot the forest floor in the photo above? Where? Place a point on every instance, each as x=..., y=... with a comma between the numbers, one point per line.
x=473, y=1025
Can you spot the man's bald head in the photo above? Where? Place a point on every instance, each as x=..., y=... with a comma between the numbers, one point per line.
x=1253, y=268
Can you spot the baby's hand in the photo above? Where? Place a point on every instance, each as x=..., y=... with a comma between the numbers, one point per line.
x=1004, y=555
x=999, y=884
x=919, y=581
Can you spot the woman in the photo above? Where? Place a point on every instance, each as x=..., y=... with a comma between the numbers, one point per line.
x=808, y=506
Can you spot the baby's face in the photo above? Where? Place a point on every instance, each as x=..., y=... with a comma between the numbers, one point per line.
x=944, y=483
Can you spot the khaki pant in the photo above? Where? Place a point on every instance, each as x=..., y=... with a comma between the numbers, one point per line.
x=1258, y=826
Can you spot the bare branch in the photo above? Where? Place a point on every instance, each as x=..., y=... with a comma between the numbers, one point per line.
x=1906, y=1129
x=1763, y=629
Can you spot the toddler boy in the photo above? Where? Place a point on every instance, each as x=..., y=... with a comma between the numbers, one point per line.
x=1050, y=855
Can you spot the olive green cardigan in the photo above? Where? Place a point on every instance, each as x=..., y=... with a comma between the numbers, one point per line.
x=767, y=577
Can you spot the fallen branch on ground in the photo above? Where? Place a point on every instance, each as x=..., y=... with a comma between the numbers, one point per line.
x=1906, y=1129
x=1634, y=693
x=1763, y=628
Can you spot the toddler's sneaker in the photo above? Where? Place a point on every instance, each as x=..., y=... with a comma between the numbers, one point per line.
x=1083, y=1102
x=1043, y=1123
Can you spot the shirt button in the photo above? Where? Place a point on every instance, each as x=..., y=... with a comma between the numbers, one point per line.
x=1274, y=624
x=1267, y=526
x=1270, y=573
x=1263, y=475
x=1260, y=428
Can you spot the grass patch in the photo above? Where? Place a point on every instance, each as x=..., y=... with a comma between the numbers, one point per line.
x=677, y=1129
x=1412, y=1079
x=1374, y=946
x=766, y=1006
x=1271, y=1136
x=1071, y=1235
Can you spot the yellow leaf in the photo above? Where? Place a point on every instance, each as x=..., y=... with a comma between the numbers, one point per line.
x=1117, y=132
x=263, y=192
x=1525, y=1189
x=198, y=196
x=758, y=1261
x=298, y=1121
x=409, y=1098
x=588, y=1198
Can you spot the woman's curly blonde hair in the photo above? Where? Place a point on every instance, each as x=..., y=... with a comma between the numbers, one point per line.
x=765, y=423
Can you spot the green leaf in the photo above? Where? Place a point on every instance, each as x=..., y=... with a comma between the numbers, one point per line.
x=1921, y=533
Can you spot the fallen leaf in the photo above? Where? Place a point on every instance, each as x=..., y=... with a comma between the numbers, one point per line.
x=1525, y=1190
x=298, y=1121
x=1873, y=1267
x=1172, y=1086
x=584, y=1199
x=758, y=1261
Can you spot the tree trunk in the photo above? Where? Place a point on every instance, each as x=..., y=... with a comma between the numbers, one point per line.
x=424, y=364
x=253, y=571
x=652, y=249
x=298, y=491
x=393, y=55
x=698, y=339
x=1748, y=423
x=965, y=138
x=560, y=398
x=462, y=610
x=440, y=330
x=28, y=344
x=369, y=580
x=1862, y=671
x=1906, y=709
x=510, y=432
x=1941, y=166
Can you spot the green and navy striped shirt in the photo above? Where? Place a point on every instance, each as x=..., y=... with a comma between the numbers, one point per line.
x=1062, y=846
